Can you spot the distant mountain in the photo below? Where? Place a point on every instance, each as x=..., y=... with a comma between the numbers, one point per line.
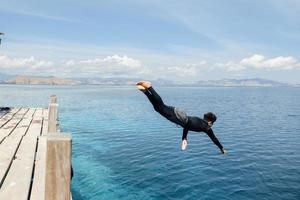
x=39, y=80
x=51, y=80
x=4, y=77
x=105, y=81
x=120, y=81
x=256, y=82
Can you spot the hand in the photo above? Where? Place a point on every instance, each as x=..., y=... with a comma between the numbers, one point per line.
x=224, y=151
x=184, y=144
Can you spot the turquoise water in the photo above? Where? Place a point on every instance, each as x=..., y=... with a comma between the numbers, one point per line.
x=122, y=149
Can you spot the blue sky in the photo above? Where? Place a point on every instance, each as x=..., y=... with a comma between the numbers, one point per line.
x=178, y=40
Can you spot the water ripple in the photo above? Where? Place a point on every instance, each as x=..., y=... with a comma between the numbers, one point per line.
x=122, y=149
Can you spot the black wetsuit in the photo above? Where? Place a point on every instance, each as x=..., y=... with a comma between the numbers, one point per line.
x=177, y=116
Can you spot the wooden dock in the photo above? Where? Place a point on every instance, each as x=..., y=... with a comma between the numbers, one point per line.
x=35, y=158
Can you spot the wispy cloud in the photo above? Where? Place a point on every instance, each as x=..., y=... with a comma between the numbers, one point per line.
x=42, y=15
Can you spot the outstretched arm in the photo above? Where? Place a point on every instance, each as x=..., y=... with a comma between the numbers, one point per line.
x=184, y=133
x=212, y=136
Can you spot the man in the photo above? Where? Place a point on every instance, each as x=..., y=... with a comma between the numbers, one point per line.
x=178, y=116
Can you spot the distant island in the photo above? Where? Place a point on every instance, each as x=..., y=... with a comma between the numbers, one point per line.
x=38, y=80
x=51, y=80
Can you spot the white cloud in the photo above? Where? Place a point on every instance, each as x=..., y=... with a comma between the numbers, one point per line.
x=261, y=62
x=110, y=65
x=254, y=61
x=188, y=70
x=125, y=66
x=126, y=61
x=230, y=66
x=8, y=63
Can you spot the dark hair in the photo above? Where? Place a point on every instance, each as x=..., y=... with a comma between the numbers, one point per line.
x=211, y=117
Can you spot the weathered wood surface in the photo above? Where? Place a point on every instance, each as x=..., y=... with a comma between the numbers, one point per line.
x=53, y=98
x=58, y=157
x=23, y=155
x=6, y=117
x=52, y=118
x=10, y=145
x=9, y=124
x=38, y=189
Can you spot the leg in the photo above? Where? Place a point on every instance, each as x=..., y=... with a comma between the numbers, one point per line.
x=149, y=91
x=156, y=96
x=161, y=108
x=153, y=97
x=167, y=111
x=158, y=103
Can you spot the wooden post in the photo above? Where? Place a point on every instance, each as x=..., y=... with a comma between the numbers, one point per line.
x=53, y=98
x=52, y=118
x=58, y=167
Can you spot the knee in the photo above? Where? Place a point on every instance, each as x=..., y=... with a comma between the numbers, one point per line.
x=159, y=108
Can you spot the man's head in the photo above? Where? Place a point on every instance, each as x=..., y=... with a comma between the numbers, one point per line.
x=210, y=118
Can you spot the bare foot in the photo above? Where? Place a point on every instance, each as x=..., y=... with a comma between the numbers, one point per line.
x=139, y=83
x=145, y=84
x=184, y=145
x=142, y=88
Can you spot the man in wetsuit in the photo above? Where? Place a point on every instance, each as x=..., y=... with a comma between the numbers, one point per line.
x=178, y=116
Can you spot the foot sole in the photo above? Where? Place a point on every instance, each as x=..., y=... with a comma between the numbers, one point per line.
x=141, y=87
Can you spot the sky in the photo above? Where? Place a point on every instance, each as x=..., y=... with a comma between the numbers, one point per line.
x=184, y=41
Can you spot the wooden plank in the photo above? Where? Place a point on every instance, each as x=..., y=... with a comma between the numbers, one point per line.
x=3, y=114
x=25, y=122
x=45, y=122
x=18, y=179
x=9, y=147
x=38, y=113
x=21, y=113
x=30, y=113
x=8, y=116
x=45, y=113
x=39, y=178
x=10, y=126
x=58, y=167
x=9, y=120
x=12, y=110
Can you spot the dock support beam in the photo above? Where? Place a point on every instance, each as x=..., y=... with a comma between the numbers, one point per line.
x=58, y=167
x=58, y=158
x=53, y=115
x=53, y=98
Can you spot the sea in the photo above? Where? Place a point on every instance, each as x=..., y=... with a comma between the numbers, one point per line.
x=123, y=149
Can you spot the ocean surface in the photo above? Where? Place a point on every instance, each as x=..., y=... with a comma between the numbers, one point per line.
x=122, y=149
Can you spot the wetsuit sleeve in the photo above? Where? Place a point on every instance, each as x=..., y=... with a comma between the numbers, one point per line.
x=184, y=133
x=212, y=136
